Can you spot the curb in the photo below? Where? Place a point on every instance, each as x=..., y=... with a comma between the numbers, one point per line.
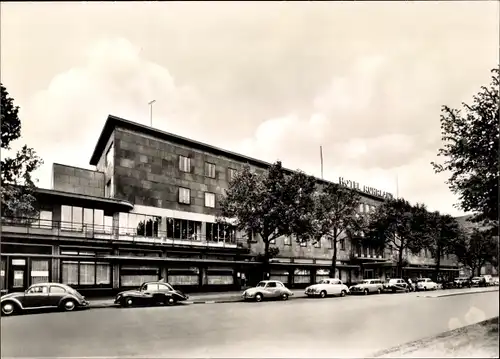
x=455, y=294
x=112, y=305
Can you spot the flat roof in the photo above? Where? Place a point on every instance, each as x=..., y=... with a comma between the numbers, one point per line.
x=84, y=197
x=113, y=121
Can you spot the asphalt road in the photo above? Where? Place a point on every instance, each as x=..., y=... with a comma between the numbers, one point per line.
x=313, y=328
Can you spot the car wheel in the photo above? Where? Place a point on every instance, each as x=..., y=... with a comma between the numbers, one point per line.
x=68, y=305
x=322, y=294
x=284, y=296
x=343, y=293
x=8, y=308
x=379, y=291
x=170, y=301
x=365, y=292
x=127, y=302
x=425, y=288
x=258, y=297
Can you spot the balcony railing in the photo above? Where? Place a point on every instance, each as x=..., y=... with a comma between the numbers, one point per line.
x=109, y=233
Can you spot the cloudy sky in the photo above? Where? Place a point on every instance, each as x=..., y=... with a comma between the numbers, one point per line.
x=365, y=80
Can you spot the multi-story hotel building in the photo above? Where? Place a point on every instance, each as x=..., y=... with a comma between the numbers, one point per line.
x=148, y=211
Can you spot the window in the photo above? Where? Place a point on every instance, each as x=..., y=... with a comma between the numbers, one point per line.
x=184, y=164
x=218, y=232
x=44, y=219
x=183, y=229
x=39, y=271
x=164, y=287
x=209, y=200
x=231, y=173
x=86, y=273
x=342, y=244
x=109, y=190
x=184, y=195
x=151, y=287
x=39, y=289
x=271, y=285
x=110, y=156
x=209, y=170
x=287, y=241
x=57, y=289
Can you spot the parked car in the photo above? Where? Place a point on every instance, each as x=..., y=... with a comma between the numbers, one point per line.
x=43, y=296
x=462, y=282
x=368, y=286
x=488, y=279
x=396, y=285
x=475, y=281
x=326, y=287
x=495, y=281
x=151, y=293
x=448, y=284
x=426, y=284
x=267, y=289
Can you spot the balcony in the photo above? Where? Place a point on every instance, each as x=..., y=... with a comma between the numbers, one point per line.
x=61, y=230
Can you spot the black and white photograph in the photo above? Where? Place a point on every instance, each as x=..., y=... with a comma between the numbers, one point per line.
x=249, y=179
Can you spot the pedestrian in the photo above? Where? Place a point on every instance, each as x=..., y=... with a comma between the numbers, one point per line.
x=410, y=285
x=243, y=280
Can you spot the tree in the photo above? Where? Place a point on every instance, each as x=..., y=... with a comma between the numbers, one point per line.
x=475, y=248
x=471, y=152
x=333, y=216
x=442, y=233
x=18, y=185
x=400, y=226
x=271, y=205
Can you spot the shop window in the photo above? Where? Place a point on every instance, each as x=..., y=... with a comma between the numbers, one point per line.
x=209, y=170
x=39, y=271
x=134, y=276
x=86, y=273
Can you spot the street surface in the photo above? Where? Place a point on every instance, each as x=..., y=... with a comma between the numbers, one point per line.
x=314, y=328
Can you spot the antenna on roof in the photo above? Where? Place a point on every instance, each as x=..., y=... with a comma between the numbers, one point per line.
x=150, y=103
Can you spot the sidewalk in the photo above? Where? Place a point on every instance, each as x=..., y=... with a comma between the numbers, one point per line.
x=452, y=292
x=195, y=298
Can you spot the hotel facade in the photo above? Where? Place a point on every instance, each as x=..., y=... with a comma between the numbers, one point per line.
x=148, y=211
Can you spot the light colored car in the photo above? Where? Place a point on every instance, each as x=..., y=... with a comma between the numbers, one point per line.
x=396, y=285
x=488, y=278
x=368, y=286
x=495, y=280
x=475, y=281
x=426, y=284
x=326, y=287
x=267, y=289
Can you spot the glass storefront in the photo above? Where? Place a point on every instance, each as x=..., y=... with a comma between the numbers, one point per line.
x=77, y=219
x=183, y=276
x=302, y=276
x=134, y=224
x=219, y=276
x=280, y=275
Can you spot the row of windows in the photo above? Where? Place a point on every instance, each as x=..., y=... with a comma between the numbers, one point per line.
x=287, y=241
x=185, y=197
x=185, y=166
x=74, y=218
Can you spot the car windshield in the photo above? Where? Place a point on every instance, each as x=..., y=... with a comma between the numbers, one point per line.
x=261, y=284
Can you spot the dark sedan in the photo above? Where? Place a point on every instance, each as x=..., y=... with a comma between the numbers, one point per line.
x=43, y=296
x=151, y=293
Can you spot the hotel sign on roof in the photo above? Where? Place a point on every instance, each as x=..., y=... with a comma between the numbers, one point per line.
x=365, y=189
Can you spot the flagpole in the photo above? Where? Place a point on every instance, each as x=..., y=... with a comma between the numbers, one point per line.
x=321, y=158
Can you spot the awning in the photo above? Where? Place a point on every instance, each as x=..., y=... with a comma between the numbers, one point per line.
x=431, y=269
x=378, y=264
x=316, y=265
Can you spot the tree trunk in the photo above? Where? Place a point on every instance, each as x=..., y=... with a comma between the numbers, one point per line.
x=399, y=268
x=333, y=266
x=265, y=265
x=438, y=263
